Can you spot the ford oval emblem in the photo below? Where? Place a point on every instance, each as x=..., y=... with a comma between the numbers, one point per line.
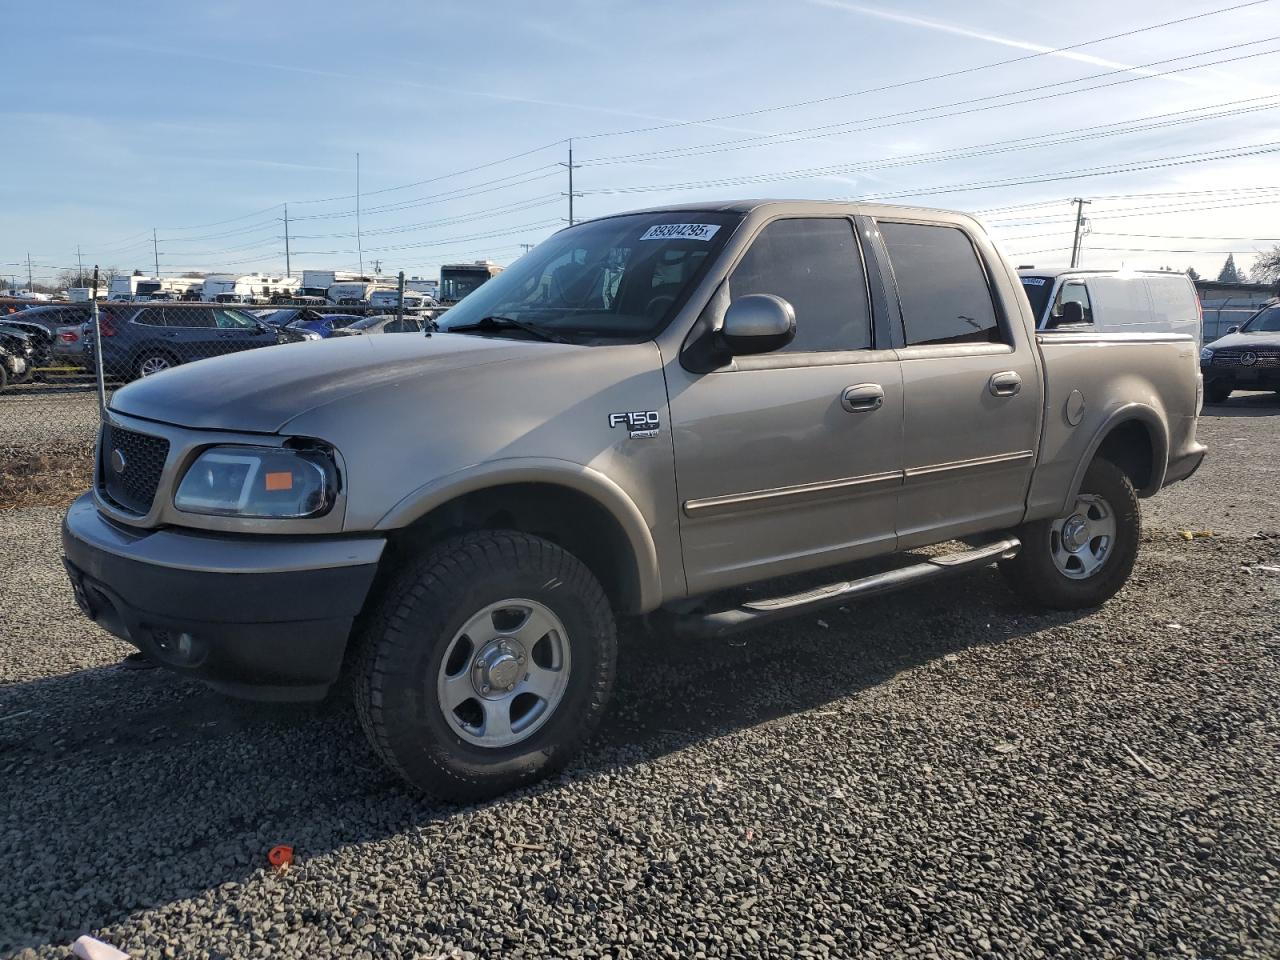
x=118, y=462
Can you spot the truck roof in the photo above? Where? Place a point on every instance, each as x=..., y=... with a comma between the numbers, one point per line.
x=1087, y=272
x=795, y=206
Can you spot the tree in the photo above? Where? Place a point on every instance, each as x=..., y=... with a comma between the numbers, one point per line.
x=84, y=278
x=1191, y=272
x=1230, y=273
x=1266, y=269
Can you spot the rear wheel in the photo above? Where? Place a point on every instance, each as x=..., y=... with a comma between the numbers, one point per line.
x=151, y=363
x=1082, y=558
x=1217, y=392
x=4, y=377
x=486, y=665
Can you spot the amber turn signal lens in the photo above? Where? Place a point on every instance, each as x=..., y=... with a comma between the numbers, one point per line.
x=282, y=480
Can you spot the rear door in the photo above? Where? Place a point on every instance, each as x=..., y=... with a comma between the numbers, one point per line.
x=791, y=460
x=192, y=332
x=970, y=384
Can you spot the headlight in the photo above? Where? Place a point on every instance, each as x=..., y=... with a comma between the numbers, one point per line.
x=269, y=482
x=1206, y=354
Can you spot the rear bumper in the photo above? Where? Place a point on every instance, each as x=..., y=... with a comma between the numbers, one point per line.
x=266, y=618
x=1186, y=463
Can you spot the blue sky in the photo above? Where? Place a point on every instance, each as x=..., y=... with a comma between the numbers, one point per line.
x=203, y=120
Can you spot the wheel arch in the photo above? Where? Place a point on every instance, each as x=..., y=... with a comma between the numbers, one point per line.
x=578, y=508
x=1135, y=439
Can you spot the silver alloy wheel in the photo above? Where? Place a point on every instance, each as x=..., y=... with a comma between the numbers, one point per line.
x=153, y=364
x=1082, y=540
x=504, y=673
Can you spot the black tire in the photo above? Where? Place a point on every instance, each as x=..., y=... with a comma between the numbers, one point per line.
x=4, y=377
x=1037, y=578
x=142, y=360
x=411, y=629
x=1217, y=392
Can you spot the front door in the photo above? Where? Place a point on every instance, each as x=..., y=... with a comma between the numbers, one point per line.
x=971, y=388
x=791, y=460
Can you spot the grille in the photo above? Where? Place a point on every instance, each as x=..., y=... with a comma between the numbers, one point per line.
x=1231, y=358
x=143, y=457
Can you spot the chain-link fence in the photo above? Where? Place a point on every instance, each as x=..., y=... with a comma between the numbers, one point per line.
x=50, y=363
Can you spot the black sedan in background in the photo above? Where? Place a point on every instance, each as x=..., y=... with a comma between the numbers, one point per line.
x=1245, y=359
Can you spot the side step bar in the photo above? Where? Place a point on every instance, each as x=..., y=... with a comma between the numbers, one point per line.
x=757, y=612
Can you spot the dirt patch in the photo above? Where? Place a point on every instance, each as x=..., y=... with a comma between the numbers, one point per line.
x=49, y=478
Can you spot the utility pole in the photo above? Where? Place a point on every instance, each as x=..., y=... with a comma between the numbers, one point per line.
x=571, y=194
x=155, y=245
x=1075, y=243
x=288, y=266
x=28, y=269
x=79, y=267
x=526, y=247
x=359, y=245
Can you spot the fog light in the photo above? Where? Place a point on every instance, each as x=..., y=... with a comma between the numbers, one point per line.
x=178, y=649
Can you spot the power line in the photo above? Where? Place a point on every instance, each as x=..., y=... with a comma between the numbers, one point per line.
x=1057, y=138
x=937, y=76
x=837, y=129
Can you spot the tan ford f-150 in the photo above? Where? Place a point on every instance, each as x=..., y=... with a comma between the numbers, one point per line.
x=646, y=410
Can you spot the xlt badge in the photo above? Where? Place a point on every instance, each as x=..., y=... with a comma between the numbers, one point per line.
x=639, y=423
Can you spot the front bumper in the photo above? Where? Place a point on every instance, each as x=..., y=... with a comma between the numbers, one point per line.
x=261, y=617
x=1253, y=377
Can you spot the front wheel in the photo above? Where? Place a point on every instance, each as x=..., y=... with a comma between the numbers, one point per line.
x=1084, y=557
x=486, y=665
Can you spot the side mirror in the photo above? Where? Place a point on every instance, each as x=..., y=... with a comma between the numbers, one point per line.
x=758, y=323
x=1234, y=328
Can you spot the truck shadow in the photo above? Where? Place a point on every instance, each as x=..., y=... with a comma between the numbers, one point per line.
x=131, y=790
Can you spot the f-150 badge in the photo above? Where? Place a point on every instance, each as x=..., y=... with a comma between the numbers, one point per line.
x=639, y=423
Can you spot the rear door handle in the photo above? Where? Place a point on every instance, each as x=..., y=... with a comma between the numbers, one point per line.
x=862, y=398
x=1005, y=384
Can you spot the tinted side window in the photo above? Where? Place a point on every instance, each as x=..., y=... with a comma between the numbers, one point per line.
x=150, y=317
x=941, y=285
x=817, y=267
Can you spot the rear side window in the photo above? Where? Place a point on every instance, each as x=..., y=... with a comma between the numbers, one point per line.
x=1172, y=298
x=150, y=317
x=816, y=266
x=941, y=285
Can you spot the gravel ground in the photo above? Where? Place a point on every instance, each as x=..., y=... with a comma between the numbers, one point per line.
x=950, y=776
x=34, y=415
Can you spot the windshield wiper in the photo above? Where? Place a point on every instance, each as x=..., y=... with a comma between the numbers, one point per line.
x=499, y=323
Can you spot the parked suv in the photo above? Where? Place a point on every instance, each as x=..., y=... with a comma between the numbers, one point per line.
x=138, y=341
x=645, y=413
x=1247, y=358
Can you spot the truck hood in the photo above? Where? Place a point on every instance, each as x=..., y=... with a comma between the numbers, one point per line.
x=259, y=391
x=1246, y=340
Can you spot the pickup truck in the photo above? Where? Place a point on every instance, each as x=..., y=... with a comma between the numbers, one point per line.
x=643, y=414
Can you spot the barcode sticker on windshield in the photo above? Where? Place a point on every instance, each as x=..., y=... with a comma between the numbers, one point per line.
x=1033, y=281
x=681, y=231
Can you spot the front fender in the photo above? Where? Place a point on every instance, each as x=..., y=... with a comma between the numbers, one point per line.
x=564, y=473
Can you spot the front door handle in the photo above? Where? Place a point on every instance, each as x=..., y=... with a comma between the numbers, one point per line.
x=1005, y=384
x=862, y=398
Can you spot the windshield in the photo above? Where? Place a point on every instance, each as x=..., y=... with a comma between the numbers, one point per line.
x=1037, y=290
x=619, y=278
x=1266, y=320
x=367, y=322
